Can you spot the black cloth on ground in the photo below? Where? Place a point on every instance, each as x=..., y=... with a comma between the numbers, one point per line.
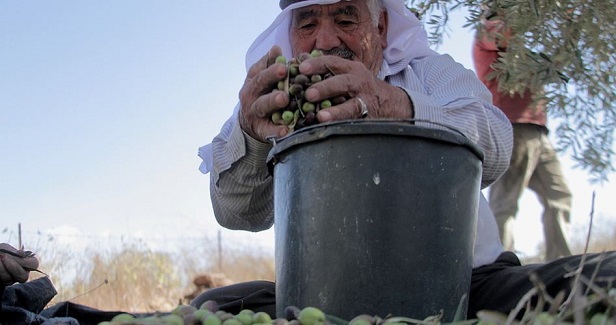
x=25, y=303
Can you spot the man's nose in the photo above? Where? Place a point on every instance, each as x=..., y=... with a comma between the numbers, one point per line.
x=327, y=38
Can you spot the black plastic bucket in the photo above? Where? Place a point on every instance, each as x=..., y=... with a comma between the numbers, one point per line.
x=375, y=217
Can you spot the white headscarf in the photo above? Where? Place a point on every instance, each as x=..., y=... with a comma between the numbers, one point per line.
x=406, y=38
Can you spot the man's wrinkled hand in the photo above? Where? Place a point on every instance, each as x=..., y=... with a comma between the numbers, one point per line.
x=258, y=101
x=15, y=265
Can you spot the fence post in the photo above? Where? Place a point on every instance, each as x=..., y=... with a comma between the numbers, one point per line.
x=20, y=245
x=219, y=251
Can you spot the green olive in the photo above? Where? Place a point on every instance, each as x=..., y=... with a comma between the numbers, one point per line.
x=212, y=319
x=315, y=78
x=281, y=59
x=326, y=103
x=316, y=53
x=293, y=69
x=261, y=317
x=311, y=316
x=287, y=117
x=308, y=107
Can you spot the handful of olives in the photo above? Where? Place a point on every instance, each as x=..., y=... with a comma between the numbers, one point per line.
x=300, y=112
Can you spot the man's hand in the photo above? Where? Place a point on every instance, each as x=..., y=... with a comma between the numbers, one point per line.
x=258, y=101
x=352, y=80
x=15, y=265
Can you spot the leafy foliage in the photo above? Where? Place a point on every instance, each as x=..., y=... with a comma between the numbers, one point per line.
x=566, y=47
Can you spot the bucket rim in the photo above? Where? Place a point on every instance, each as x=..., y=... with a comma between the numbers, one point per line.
x=319, y=132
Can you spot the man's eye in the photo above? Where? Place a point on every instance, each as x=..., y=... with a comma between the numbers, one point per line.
x=307, y=26
x=346, y=24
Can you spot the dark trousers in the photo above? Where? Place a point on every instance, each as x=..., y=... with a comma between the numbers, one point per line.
x=498, y=286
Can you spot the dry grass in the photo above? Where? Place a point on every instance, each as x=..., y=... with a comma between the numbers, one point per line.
x=138, y=280
x=602, y=238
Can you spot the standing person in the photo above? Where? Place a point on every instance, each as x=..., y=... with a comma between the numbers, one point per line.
x=384, y=66
x=534, y=163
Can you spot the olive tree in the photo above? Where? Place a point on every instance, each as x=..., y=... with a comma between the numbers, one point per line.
x=566, y=47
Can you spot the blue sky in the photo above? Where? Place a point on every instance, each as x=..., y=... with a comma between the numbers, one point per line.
x=103, y=105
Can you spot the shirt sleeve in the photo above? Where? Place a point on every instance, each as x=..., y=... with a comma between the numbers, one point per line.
x=445, y=92
x=241, y=188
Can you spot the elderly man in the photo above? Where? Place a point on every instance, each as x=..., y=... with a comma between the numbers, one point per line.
x=384, y=66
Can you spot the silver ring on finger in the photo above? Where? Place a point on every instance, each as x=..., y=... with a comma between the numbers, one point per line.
x=364, y=108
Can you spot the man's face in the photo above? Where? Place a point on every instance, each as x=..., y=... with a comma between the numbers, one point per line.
x=344, y=29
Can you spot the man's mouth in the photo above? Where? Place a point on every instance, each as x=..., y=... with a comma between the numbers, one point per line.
x=340, y=52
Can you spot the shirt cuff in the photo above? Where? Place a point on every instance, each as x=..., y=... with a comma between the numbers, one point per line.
x=411, y=103
x=256, y=151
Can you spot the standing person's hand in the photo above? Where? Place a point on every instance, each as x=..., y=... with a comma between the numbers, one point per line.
x=258, y=101
x=15, y=265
